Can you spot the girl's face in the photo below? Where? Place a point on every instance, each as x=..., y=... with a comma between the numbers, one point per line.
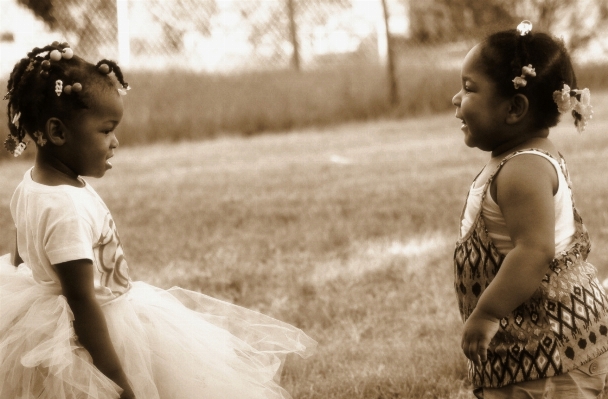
x=91, y=135
x=479, y=106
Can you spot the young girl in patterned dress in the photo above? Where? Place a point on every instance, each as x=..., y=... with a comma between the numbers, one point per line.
x=73, y=325
x=536, y=317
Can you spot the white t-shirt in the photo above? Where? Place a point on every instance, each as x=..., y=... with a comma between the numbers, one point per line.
x=56, y=224
x=565, y=227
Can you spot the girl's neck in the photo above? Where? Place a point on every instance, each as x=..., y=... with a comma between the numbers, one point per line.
x=536, y=139
x=50, y=171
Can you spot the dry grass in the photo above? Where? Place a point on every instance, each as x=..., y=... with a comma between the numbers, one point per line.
x=177, y=106
x=346, y=232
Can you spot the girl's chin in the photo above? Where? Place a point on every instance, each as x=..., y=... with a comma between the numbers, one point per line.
x=468, y=140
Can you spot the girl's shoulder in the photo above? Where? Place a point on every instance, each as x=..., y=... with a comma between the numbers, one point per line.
x=534, y=156
x=528, y=169
x=58, y=200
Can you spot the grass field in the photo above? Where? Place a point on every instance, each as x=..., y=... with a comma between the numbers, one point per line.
x=345, y=232
x=176, y=106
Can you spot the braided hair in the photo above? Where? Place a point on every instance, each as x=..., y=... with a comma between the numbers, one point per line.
x=35, y=94
x=503, y=55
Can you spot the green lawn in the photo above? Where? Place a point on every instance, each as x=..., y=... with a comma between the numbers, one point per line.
x=345, y=232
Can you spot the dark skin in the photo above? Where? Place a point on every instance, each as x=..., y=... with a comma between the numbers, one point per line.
x=81, y=147
x=523, y=190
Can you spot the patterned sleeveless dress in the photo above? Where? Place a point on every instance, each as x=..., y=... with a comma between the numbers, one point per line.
x=561, y=327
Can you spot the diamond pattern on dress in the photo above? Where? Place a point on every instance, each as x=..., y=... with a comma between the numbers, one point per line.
x=555, y=331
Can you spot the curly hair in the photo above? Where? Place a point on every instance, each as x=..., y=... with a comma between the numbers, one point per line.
x=32, y=83
x=503, y=55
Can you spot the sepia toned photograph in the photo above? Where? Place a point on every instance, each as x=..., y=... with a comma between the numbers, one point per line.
x=304, y=199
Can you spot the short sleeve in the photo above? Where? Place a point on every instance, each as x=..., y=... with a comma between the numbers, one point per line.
x=68, y=238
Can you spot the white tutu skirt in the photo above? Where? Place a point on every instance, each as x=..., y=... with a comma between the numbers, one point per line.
x=173, y=344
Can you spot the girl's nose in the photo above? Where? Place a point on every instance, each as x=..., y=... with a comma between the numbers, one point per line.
x=456, y=100
x=115, y=142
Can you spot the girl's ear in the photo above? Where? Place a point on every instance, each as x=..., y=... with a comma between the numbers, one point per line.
x=55, y=131
x=518, y=109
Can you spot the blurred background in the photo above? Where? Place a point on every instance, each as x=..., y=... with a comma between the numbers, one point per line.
x=204, y=68
x=343, y=227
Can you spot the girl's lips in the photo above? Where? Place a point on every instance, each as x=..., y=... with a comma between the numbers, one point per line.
x=464, y=124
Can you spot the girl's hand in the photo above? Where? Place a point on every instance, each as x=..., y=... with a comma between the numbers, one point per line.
x=478, y=332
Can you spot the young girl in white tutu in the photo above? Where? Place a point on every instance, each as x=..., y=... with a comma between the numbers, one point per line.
x=73, y=325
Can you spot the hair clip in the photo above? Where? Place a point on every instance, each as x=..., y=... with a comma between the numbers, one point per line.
x=20, y=148
x=30, y=66
x=567, y=101
x=524, y=27
x=40, y=140
x=16, y=118
x=520, y=81
x=58, y=87
x=8, y=94
x=123, y=90
x=11, y=145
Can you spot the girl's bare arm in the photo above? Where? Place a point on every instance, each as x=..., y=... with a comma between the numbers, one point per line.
x=89, y=322
x=524, y=194
x=525, y=191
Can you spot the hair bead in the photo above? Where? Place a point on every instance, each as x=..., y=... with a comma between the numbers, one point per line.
x=55, y=55
x=68, y=53
x=27, y=92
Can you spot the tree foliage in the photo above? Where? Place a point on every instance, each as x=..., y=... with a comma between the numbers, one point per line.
x=436, y=21
x=93, y=22
x=42, y=9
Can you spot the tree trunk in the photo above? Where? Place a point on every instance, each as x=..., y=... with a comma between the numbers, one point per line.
x=390, y=58
x=293, y=32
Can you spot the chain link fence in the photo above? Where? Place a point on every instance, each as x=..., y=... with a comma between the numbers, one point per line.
x=227, y=36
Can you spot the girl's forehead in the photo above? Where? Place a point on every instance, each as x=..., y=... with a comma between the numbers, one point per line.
x=473, y=57
x=472, y=65
x=106, y=104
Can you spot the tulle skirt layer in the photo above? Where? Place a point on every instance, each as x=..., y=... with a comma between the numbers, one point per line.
x=173, y=344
